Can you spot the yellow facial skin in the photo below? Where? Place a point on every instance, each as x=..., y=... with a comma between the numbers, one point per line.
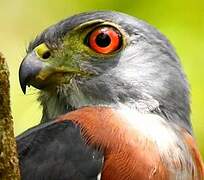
x=62, y=63
x=42, y=51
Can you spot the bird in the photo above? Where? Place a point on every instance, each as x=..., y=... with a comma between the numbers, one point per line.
x=115, y=103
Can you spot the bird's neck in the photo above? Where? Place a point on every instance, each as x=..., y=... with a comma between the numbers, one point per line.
x=52, y=106
x=66, y=99
x=55, y=104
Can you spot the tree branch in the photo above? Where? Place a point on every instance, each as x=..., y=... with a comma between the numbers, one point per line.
x=9, y=169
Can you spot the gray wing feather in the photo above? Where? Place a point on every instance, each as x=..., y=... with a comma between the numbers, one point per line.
x=57, y=151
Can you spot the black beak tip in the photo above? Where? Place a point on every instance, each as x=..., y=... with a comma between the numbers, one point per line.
x=22, y=77
x=23, y=87
x=23, y=82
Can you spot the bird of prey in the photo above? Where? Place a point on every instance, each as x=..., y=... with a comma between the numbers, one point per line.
x=115, y=103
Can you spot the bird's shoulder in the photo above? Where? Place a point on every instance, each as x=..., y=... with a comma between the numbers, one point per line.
x=57, y=151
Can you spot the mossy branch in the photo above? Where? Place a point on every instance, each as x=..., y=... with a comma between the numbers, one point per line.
x=9, y=168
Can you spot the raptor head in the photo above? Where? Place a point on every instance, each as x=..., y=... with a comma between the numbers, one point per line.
x=106, y=58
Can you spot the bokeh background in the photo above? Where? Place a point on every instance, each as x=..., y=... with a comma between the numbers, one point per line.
x=182, y=21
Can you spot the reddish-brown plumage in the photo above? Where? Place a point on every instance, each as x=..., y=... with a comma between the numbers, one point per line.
x=128, y=155
x=195, y=153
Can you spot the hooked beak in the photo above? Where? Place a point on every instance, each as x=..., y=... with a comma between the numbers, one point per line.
x=42, y=74
x=29, y=68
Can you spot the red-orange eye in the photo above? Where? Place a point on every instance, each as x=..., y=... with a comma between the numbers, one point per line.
x=105, y=40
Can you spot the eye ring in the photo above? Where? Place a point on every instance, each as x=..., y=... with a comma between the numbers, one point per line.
x=105, y=40
x=42, y=51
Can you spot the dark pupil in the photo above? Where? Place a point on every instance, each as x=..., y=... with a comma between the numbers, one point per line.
x=103, y=40
x=46, y=55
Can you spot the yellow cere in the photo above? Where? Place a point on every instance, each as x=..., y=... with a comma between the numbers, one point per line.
x=41, y=50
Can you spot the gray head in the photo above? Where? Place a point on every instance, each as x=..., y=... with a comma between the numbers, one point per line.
x=106, y=58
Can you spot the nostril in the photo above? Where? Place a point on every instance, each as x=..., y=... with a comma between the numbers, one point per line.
x=46, y=55
x=42, y=51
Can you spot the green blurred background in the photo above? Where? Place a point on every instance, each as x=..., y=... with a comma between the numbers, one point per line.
x=181, y=21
